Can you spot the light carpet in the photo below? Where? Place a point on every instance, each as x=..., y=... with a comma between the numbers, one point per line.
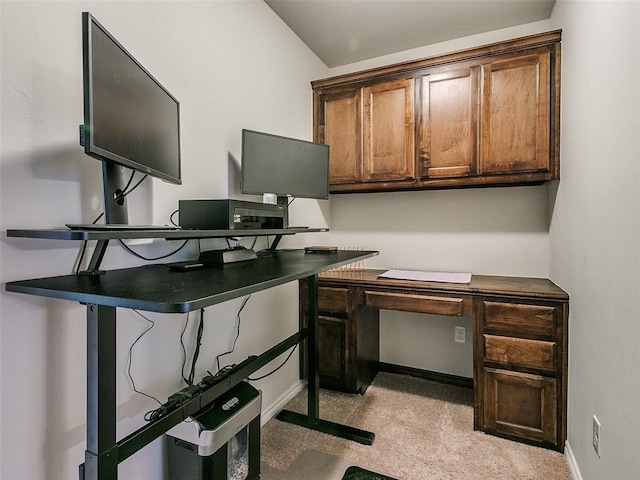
x=424, y=431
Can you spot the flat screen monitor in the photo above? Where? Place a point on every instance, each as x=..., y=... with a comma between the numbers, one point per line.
x=284, y=166
x=130, y=119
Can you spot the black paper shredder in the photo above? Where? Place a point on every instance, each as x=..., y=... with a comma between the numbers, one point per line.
x=220, y=443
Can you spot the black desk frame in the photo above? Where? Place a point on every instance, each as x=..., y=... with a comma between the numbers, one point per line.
x=104, y=452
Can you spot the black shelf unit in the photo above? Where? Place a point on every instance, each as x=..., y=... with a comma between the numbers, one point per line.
x=169, y=234
x=104, y=236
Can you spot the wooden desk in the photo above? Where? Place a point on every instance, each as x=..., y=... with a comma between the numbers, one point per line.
x=519, y=334
x=156, y=288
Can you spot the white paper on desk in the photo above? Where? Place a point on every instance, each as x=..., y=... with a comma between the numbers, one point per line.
x=447, y=277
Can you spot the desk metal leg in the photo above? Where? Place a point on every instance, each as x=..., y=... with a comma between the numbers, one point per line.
x=101, y=459
x=313, y=355
x=312, y=419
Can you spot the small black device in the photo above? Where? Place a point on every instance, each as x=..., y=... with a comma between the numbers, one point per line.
x=231, y=215
x=284, y=166
x=186, y=265
x=228, y=255
x=130, y=119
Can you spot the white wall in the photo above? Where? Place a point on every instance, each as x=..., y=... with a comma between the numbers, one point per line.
x=495, y=231
x=595, y=230
x=232, y=65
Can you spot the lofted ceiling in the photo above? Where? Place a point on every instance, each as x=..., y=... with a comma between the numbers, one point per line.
x=340, y=32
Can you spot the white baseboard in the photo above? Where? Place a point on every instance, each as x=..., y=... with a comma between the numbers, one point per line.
x=279, y=404
x=571, y=461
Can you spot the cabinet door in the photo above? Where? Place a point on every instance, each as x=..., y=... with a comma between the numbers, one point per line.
x=339, y=125
x=515, y=115
x=388, y=132
x=333, y=342
x=448, y=125
x=521, y=405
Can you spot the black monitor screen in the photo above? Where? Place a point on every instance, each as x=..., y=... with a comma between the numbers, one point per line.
x=130, y=118
x=284, y=166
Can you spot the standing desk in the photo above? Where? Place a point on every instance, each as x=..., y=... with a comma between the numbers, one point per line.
x=156, y=288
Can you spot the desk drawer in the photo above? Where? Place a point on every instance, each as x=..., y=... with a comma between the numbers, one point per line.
x=521, y=352
x=333, y=299
x=519, y=319
x=450, y=306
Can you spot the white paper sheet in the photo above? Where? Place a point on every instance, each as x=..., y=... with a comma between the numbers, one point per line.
x=447, y=277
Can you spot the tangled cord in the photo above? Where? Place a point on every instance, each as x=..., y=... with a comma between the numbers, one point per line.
x=178, y=399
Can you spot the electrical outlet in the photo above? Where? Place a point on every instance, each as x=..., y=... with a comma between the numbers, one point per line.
x=460, y=335
x=597, y=439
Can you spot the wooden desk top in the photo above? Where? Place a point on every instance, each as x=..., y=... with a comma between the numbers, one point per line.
x=479, y=285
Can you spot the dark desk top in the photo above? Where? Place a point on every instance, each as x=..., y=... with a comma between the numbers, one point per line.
x=156, y=288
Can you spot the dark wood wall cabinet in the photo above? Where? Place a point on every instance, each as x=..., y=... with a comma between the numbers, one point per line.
x=519, y=334
x=488, y=116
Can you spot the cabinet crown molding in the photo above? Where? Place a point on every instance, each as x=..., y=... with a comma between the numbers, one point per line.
x=497, y=48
